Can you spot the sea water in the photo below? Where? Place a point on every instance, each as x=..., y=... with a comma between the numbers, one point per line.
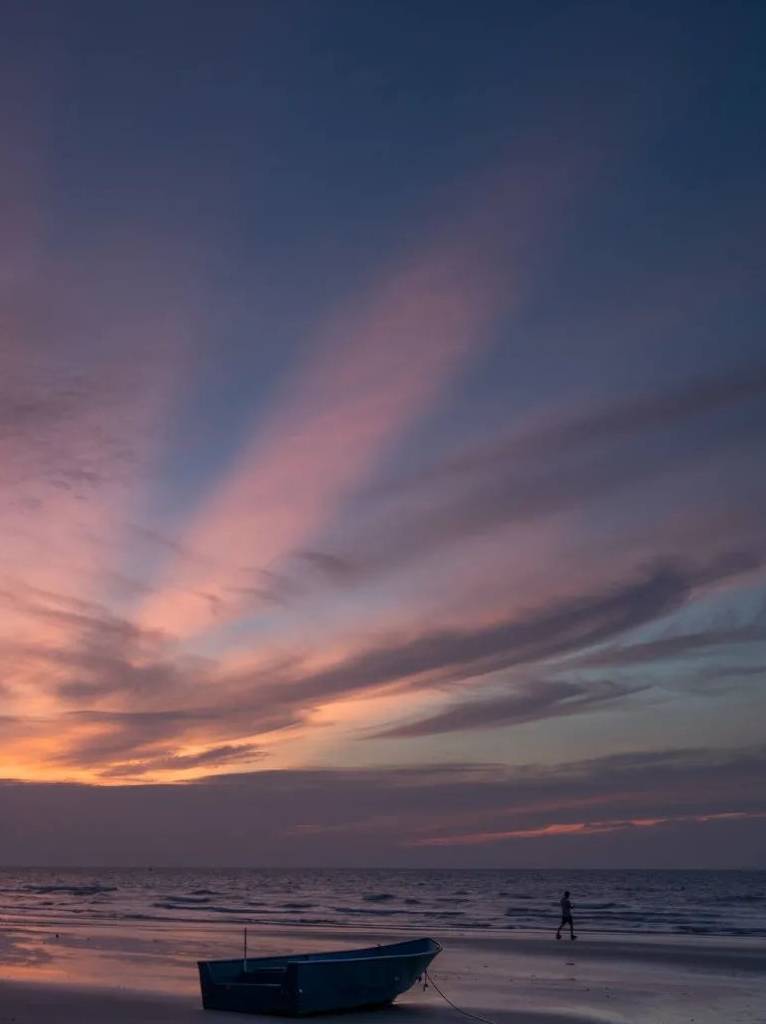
x=717, y=903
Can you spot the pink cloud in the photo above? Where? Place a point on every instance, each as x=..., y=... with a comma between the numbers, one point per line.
x=581, y=828
x=87, y=378
x=379, y=365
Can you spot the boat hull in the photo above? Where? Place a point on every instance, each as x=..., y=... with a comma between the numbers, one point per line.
x=302, y=985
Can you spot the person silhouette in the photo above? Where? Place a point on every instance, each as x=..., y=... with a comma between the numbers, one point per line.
x=566, y=916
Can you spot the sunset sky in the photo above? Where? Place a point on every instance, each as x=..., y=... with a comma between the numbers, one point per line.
x=383, y=433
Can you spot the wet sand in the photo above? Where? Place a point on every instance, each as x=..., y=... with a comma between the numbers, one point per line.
x=145, y=972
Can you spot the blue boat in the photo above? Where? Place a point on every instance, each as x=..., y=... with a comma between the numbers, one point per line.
x=306, y=983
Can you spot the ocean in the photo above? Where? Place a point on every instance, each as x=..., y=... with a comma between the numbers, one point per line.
x=716, y=903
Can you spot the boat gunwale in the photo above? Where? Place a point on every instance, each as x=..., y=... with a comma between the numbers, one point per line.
x=330, y=958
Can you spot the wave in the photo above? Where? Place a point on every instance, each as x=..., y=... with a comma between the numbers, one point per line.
x=209, y=908
x=724, y=903
x=71, y=890
x=367, y=911
x=192, y=900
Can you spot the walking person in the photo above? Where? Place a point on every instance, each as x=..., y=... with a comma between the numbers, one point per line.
x=566, y=916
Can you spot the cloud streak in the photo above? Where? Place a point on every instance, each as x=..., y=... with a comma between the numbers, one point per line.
x=531, y=702
x=561, y=627
x=378, y=366
x=128, y=702
x=588, y=828
x=542, y=470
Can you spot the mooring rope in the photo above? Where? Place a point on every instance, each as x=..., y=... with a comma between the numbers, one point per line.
x=446, y=998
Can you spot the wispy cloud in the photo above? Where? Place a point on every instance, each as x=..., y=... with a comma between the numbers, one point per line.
x=677, y=645
x=380, y=363
x=529, y=702
x=591, y=455
x=561, y=627
x=229, y=754
x=123, y=696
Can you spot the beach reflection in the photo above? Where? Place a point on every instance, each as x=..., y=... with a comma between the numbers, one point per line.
x=156, y=956
x=146, y=959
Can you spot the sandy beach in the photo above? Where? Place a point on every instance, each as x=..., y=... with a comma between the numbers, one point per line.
x=145, y=972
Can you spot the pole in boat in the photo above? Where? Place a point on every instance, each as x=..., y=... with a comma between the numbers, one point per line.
x=244, y=954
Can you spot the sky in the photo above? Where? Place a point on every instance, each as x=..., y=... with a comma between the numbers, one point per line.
x=382, y=433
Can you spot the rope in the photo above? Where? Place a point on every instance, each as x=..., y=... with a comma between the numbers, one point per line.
x=446, y=998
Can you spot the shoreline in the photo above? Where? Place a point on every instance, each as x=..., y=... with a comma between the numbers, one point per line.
x=386, y=926
x=146, y=971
